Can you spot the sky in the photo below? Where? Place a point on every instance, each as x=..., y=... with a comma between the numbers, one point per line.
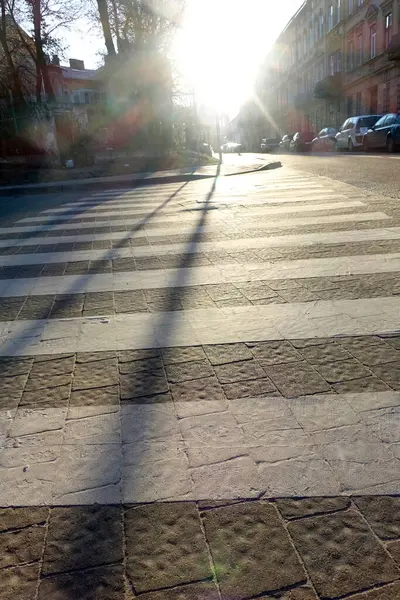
x=218, y=49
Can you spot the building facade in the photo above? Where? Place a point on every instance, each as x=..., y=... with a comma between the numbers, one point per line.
x=334, y=59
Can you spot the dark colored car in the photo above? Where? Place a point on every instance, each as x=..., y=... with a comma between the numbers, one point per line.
x=302, y=141
x=384, y=134
x=269, y=144
x=325, y=140
x=284, y=144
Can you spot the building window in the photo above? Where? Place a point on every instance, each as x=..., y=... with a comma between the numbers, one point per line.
x=359, y=49
x=321, y=25
x=388, y=28
x=358, y=103
x=337, y=16
x=350, y=105
x=350, y=6
x=360, y=2
x=372, y=39
x=350, y=56
x=386, y=98
x=330, y=17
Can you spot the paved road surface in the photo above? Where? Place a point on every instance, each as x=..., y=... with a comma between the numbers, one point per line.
x=377, y=173
x=200, y=392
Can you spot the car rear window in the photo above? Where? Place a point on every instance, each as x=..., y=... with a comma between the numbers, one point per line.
x=367, y=121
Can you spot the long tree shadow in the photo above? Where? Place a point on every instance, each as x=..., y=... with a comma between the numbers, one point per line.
x=89, y=517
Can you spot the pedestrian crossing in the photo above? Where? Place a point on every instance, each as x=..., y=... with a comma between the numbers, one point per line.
x=233, y=343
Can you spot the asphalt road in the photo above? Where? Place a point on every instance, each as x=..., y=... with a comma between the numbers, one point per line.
x=378, y=173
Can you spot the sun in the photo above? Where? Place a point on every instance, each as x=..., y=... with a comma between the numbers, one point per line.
x=214, y=52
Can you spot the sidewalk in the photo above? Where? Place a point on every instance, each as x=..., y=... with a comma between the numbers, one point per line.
x=133, y=179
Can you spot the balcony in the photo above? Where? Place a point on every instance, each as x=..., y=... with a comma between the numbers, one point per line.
x=393, y=50
x=331, y=87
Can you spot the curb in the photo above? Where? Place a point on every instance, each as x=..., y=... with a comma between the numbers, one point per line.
x=93, y=185
x=268, y=167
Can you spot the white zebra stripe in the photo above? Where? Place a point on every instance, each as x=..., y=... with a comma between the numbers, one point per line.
x=192, y=228
x=178, y=214
x=230, y=273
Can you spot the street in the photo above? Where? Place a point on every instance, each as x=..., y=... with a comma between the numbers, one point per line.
x=377, y=173
x=200, y=387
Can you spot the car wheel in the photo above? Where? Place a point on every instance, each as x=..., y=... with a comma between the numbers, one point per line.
x=365, y=145
x=351, y=146
x=390, y=145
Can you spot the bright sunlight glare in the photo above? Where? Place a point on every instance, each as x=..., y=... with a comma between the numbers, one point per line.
x=222, y=43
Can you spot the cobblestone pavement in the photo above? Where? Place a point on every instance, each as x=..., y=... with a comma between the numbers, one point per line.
x=200, y=393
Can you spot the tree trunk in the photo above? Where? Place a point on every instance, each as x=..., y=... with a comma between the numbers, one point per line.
x=105, y=24
x=18, y=98
x=42, y=74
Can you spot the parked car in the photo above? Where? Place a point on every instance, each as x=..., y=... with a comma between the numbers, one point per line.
x=325, y=140
x=269, y=144
x=384, y=134
x=302, y=141
x=231, y=147
x=351, y=134
x=284, y=144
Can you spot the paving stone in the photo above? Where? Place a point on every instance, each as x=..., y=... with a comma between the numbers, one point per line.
x=10, y=307
x=145, y=422
x=366, y=384
x=300, y=593
x=375, y=353
x=132, y=301
x=36, y=307
x=226, y=353
x=54, y=367
x=143, y=384
x=274, y=353
x=251, y=550
x=235, y=477
x=36, y=383
x=389, y=372
x=340, y=553
x=245, y=389
x=187, y=371
x=87, y=357
x=19, y=518
x=394, y=550
x=130, y=355
x=257, y=291
x=11, y=391
x=239, y=371
x=393, y=341
x=343, y=370
x=296, y=379
x=198, y=390
x=293, y=508
x=23, y=546
x=318, y=355
x=82, y=536
x=19, y=582
x=195, y=591
x=183, y=354
x=102, y=373
x=10, y=367
x=104, y=396
x=165, y=546
x=222, y=291
x=104, y=583
x=137, y=366
x=383, y=514
x=388, y=592
x=56, y=397
x=216, y=430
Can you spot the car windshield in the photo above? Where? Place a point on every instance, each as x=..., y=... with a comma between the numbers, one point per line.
x=367, y=121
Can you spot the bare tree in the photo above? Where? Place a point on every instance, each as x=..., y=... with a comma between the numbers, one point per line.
x=8, y=43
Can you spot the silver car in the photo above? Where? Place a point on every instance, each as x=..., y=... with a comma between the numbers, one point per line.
x=351, y=134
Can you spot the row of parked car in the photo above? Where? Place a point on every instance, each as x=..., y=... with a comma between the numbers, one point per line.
x=368, y=132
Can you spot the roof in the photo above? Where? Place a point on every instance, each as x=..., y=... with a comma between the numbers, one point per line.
x=69, y=73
